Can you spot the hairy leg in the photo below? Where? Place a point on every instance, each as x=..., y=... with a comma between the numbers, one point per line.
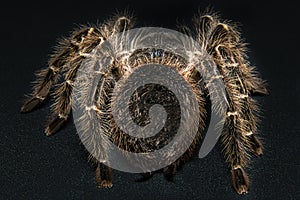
x=47, y=77
x=84, y=40
x=223, y=43
x=103, y=176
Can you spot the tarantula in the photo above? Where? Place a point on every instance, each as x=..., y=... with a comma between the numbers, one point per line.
x=220, y=39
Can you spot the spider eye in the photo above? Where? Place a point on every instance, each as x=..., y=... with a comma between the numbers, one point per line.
x=157, y=53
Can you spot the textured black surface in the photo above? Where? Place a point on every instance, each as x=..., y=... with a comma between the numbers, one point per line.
x=33, y=166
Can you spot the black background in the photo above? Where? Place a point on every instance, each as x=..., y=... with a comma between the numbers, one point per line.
x=39, y=167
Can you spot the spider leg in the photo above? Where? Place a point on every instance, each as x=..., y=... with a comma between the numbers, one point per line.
x=103, y=176
x=240, y=97
x=62, y=95
x=205, y=25
x=67, y=49
x=47, y=77
x=88, y=41
x=170, y=171
x=238, y=139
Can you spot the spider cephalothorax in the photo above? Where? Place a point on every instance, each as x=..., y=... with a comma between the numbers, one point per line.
x=222, y=42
